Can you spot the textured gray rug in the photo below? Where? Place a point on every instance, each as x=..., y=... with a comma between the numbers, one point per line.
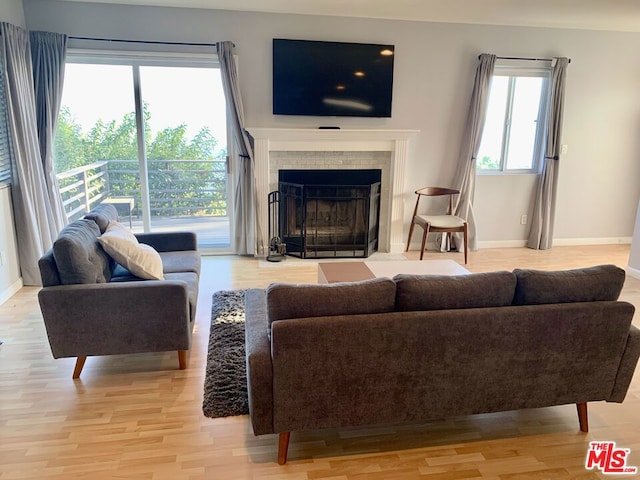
x=225, y=383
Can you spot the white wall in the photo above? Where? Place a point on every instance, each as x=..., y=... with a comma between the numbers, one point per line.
x=10, y=281
x=599, y=177
x=10, y=11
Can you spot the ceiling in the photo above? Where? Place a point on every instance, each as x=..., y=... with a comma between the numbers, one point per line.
x=615, y=15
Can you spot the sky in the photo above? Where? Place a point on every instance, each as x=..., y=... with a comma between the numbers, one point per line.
x=175, y=95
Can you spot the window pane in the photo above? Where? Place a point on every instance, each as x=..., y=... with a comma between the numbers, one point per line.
x=491, y=144
x=96, y=133
x=524, y=122
x=186, y=150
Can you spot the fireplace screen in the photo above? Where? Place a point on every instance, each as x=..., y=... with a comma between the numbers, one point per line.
x=337, y=217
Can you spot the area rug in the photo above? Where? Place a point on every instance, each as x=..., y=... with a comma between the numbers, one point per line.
x=225, y=383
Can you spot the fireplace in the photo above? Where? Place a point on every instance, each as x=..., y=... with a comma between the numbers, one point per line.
x=344, y=149
x=329, y=213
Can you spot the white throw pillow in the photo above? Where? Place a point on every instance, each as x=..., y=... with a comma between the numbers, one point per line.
x=140, y=259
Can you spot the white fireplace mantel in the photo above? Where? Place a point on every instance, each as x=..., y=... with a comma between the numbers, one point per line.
x=396, y=142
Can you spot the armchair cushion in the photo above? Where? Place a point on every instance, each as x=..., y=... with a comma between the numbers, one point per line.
x=78, y=255
x=140, y=259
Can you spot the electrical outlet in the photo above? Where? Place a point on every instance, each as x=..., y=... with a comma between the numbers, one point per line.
x=523, y=219
x=564, y=148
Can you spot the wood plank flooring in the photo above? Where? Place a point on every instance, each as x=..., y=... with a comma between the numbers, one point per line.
x=139, y=417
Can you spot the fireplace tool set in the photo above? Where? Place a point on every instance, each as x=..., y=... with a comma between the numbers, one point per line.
x=277, y=248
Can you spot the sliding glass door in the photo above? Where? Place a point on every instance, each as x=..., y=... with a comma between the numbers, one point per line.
x=149, y=136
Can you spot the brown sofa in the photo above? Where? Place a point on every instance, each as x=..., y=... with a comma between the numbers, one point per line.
x=417, y=348
x=92, y=305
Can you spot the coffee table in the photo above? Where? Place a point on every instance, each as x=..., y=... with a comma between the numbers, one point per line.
x=332, y=272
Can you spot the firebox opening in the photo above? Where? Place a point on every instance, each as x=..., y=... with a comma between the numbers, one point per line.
x=329, y=213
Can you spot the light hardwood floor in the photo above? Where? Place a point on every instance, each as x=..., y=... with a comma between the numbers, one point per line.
x=137, y=416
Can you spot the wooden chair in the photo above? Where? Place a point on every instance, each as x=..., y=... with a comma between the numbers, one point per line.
x=448, y=223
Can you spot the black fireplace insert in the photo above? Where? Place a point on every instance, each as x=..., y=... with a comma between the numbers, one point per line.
x=329, y=213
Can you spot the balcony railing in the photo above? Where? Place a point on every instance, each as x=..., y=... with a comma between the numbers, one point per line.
x=176, y=187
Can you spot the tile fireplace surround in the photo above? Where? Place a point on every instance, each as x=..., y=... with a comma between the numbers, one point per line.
x=349, y=149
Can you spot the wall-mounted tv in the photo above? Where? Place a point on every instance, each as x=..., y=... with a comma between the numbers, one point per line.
x=332, y=78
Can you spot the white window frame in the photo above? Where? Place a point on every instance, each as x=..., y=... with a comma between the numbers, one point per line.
x=136, y=59
x=512, y=68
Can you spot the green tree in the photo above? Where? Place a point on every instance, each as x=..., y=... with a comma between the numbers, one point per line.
x=195, y=184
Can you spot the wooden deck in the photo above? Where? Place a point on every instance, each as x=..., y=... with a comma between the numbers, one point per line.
x=213, y=232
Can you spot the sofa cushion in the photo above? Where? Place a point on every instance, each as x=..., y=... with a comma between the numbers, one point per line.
x=285, y=301
x=140, y=259
x=191, y=279
x=181, y=261
x=78, y=255
x=591, y=284
x=443, y=292
x=102, y=215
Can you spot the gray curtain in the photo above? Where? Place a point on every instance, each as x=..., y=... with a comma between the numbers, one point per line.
x=35, y=220
x=240, y=150
x=542, y=219
x=465, y=179
x=48, y=53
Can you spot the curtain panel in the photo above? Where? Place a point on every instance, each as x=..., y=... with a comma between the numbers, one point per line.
x=465, y=179
x=240, y=150
x=48, y=53
x=542, y=219
x=35, y=219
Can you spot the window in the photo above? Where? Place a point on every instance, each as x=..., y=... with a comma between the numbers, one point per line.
x=147, y=133
x=513, y=136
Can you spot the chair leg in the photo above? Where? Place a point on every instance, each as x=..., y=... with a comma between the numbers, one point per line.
x=410, y=234
x=583, y=417
x=424, y=240
x=79, y=365
x=182, y=359
x=466, y=243
x=283, y=447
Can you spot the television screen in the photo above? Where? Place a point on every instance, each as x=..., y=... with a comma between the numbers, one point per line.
x=332, y=78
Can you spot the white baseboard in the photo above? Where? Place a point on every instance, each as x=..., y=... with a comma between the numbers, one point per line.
x=634, y=272
x=561, y=242
x=558, y=242
x=11, y=291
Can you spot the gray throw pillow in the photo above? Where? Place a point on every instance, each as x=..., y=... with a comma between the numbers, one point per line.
x=443, y=292
x=591, y=284
x=102, y=215
x=79, y=257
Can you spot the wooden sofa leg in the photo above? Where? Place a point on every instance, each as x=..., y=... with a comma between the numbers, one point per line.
x=78, y=368
x=583, y=417
x=182, y=359
x=283, y=447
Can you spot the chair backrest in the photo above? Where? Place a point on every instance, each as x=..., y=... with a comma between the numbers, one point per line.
x=434, y=192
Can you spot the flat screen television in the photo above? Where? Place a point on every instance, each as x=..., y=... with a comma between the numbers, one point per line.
x=332, y=78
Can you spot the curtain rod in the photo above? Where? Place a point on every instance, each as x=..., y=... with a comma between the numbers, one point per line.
x=527, y=58
x=152, y=42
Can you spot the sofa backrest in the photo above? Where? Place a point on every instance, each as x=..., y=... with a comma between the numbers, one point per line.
x=286, y=301
x=591, y=284
x=102, y=215
x=79, y=256
x=76, y=257
x=442, y=292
